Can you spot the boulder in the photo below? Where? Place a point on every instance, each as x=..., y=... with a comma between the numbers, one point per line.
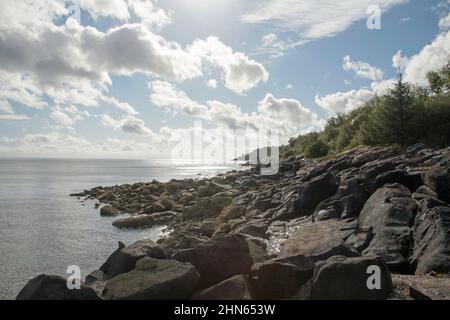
x=255, y=228
x=438, y=179
x=208, y=227
x=390, y=213
x=211, y=189
x=309, y=242
x=343, y=278
x=302, y=200
x=432, y=241
x=145, y=220
x=410, y=180
x=235, y=288
x=370, y=171
x=124, y=259
x=108, y=211
x=206, y=208
x=154, y=279
x=346, y=203
x=276, y=280
x=220, y=258
x=46, y=287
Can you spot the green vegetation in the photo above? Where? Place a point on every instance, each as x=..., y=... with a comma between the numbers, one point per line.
x=406, y=115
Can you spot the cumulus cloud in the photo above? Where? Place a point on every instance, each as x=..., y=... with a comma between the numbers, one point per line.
x=313, y=19
x=212, y=83
x=444, y=22
x=168, y=96
x=362, y=69
x=288, y=116
x=239, y=71
x=432, y=57
x=399, y=61
x=145, y=10
x=128, y=124
x=342, y=102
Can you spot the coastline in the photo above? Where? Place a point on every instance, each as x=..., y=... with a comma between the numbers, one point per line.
x=241, y=229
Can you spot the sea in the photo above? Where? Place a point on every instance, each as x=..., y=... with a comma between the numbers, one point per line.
x=44, y=231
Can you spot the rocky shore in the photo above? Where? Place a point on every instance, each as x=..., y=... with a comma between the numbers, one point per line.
x=310, y=232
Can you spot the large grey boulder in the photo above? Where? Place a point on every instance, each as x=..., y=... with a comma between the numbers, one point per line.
x=343, y=278
x=108, y=211
x=274, y=280
x=124, y=259
x=154, y=279
x=432, y=241
x=438, y=179
x=346, y=203
x=235, y=288
x=145, y=220
x=223, y=257
x=390, y=213
x=46, y=287
x=303, y=199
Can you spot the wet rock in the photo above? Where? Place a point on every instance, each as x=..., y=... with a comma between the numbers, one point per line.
x=235, y=288
x=45, y=287
x=108, y=211
x=154, y=279
x=219, y=258
x=390, y=212
x=124, y=259
x=432, y=241
x=145, y=220
x=342, y=278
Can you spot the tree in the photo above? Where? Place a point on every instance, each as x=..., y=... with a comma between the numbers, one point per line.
x=391, y=118
x=439, y=81
x=317, y=149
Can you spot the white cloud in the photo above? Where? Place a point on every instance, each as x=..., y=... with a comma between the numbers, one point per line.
x=275, y=47
x=128, y=124
x=239, y=71
x=212, y=83
x=289, y=86
x=342, y=102
x=6, y=107
x=399, y=61
x=13, y=117
x=56, y=143
x=362, y=69
x=444, y=22
x=145, y=10
x=167, y=96
x=432, y=57
x=313, y=19
x=288, y=116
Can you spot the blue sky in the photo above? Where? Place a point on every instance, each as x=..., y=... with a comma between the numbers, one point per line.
x=128, y=78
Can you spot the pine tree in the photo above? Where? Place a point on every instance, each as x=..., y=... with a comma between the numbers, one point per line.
x=390, y=120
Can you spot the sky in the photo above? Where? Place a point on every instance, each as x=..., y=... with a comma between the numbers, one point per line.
x=135, y=78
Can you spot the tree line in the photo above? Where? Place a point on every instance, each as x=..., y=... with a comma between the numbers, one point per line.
x=407, y=114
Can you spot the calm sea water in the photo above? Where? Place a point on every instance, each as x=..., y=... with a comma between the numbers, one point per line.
x=43, y=230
